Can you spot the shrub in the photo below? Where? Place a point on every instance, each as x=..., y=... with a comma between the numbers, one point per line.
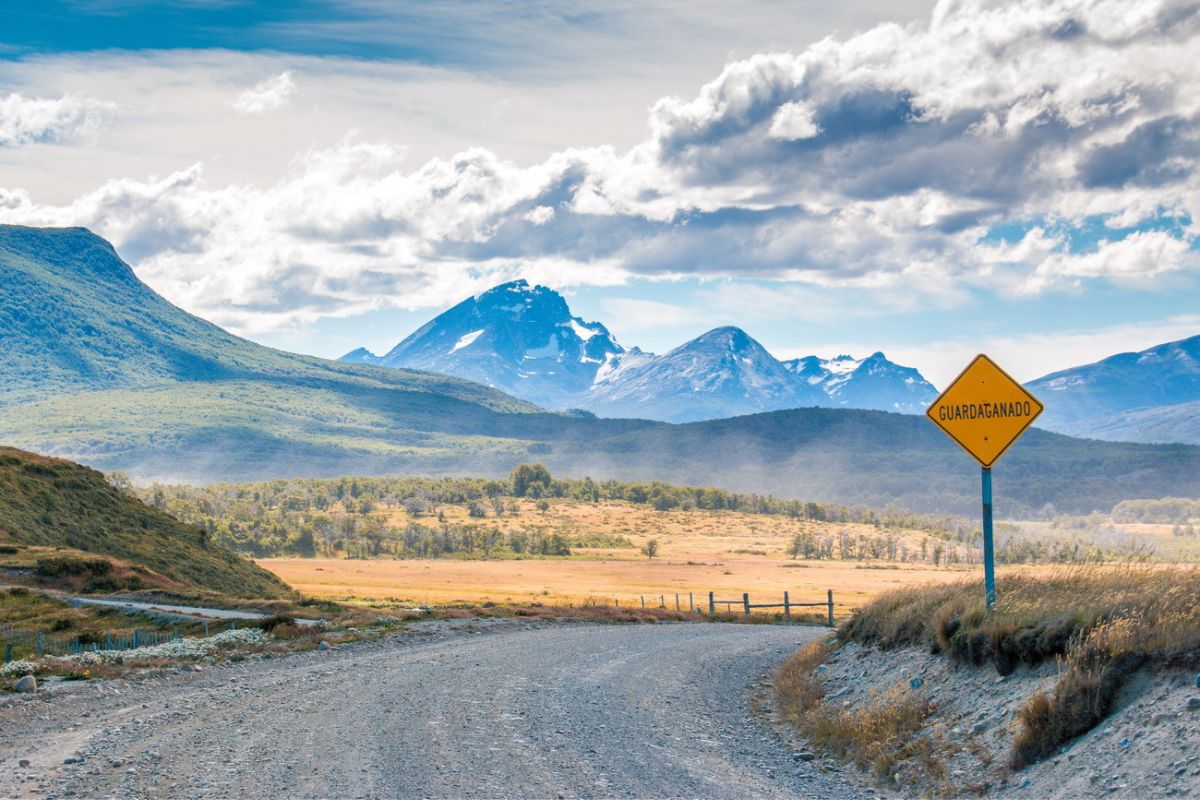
x=107, y=584
x=272, y=622
x=60, y=566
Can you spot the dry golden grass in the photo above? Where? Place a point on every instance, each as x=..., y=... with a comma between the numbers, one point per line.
x=1101, y=622
x=445, y=581
x=726, y=552
x=880, y=736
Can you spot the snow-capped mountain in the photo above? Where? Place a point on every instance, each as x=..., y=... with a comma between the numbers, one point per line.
x=1148, y=396
x=723, y=373
x=523, y=339
x=872, y=382
x=515, y=337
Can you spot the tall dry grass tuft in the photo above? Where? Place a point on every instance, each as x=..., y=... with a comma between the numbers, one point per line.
x=879, y=736
x=1102, y=623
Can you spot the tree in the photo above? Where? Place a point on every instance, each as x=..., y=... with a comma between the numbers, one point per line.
x=525, y=476
x=664, y=502
x=543, y=506
x=416, y=506
x=477, y=509
x=650, y=549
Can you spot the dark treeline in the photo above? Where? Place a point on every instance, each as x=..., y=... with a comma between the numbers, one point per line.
x=349, y=516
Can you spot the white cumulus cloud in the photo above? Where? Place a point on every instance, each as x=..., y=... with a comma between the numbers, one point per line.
x=25, y=120
x=269, y=95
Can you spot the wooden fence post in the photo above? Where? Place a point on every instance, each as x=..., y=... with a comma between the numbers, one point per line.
x=712, y=606
x=787, y=609
x=643, y=601
x=662, y=601
x=831, y=608
x=677, y=601
x=691, y=604
x=746, y=602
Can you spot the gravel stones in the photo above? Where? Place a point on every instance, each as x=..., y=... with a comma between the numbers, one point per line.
x=26, y=685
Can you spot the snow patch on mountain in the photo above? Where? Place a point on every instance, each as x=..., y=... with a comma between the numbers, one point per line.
x=466, y=340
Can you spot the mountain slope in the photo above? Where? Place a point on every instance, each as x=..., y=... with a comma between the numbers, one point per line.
x=75, y=318
x=1142, y=396
x=722, y=373
x=515, y=337
x=872, y=383
x=46, y=501
x=95, y=366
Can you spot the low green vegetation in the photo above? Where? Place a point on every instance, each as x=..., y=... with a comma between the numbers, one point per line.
x=51, y=503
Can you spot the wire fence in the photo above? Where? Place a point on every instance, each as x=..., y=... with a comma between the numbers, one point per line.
x=15, y=642
x=687, y=602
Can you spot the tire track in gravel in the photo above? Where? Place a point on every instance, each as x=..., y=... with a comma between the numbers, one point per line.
x=525, y=711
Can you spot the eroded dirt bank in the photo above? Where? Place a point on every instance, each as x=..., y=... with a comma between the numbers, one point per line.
x=1148, y=747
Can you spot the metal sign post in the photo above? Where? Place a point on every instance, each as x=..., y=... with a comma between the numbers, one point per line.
x=989, y=554
x=984, y=410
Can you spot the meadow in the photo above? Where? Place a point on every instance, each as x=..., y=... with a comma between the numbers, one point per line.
x=727, y=552
x=535, y=538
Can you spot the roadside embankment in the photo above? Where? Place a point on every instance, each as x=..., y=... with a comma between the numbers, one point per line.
x=1084, y=684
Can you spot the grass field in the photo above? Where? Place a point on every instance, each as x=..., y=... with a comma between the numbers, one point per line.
x=726, y=552
x=601, y=580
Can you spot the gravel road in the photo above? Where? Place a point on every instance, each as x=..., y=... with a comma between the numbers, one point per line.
x=521, y=710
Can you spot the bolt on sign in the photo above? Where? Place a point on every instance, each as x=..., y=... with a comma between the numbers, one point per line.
x=984, y=410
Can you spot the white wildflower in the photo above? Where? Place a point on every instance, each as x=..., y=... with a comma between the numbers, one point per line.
x=15, y=668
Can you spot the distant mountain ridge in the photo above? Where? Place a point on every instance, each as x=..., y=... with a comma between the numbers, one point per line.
x=723, y=373
x=1152, y=395
x=97, y=367
x=525, y=340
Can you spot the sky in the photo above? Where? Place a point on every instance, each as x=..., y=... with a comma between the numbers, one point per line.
x=927, y=180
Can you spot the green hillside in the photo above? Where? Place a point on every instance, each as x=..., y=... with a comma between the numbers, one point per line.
x=51, y=502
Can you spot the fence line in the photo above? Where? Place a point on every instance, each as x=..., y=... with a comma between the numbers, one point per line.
x=744, y=603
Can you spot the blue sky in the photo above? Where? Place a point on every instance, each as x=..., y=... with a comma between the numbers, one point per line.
x=832, y=177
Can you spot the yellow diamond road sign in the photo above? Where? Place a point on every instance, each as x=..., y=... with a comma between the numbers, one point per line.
x=984, y=410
